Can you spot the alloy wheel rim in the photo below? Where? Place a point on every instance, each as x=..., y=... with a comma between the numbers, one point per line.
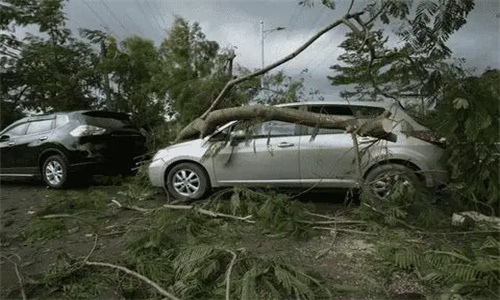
x=54, y=172
x=186, y=182
x=384, y=183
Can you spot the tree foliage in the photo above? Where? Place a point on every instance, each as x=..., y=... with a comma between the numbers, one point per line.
x=468, y=116
x=194, y=70
x=50, y=72
x=409, y=64
x=133, y=67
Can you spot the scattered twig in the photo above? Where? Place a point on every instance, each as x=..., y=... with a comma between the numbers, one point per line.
x=209, y=212
x=187, y=207
x=133, y=207
x=68, y=216
x=228, y=274
x=135, y=274
x=398, y=220
x=343, y=230
x=459, y=232
x=321, y=216
x=18, y=273
x=333, y=222
x=91, y=250
x=322, y=253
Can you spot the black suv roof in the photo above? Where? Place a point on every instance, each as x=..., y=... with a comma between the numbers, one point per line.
x=51, y=115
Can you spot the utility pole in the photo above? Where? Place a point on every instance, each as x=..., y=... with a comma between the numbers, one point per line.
x=230, y=58
x=107, y=88
x=262, y=43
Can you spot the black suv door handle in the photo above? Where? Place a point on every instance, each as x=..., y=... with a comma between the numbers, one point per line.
x=43, y=138
x=285, y=145
x=11, y=144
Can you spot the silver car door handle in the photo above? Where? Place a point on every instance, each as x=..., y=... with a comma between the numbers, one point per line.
x=12, y=144
x=285, y=145
x=43, y=138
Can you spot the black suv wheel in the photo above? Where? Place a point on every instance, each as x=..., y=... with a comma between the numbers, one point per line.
x=55, y=171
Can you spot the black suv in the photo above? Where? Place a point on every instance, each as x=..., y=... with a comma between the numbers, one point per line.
x=65, y=146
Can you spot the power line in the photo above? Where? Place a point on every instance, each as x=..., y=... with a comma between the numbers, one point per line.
x=103, y=23
x=290, y=21
x=135, y=24
x=321, y=62
x=158, y=26
x=114, y=16
x=145, y=15
x=160, y=10
x=94, y=12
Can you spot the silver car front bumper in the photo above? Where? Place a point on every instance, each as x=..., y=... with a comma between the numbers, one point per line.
x=156, y=172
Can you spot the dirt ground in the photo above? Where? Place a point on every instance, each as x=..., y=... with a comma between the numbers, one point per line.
x=337, y=257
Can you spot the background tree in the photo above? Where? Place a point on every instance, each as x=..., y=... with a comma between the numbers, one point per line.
x=194, y=70
x=53, y=72
x=134, y=68
x=280, y=88
x=413, y=71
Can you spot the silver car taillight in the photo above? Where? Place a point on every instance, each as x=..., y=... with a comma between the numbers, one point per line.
x=86, y=130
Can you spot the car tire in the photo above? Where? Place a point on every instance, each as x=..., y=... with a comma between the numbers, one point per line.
x=55, y=171
x=382, y=178
x=187, y=181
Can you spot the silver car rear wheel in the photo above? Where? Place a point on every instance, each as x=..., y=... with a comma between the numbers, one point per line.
x=383, y=178
x=187, y=181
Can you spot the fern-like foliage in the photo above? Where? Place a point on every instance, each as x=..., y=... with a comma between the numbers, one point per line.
x=273, y=213
x=473, y=270
x=189, y=253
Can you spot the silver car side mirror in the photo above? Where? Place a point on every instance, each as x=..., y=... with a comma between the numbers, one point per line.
x=236, y=137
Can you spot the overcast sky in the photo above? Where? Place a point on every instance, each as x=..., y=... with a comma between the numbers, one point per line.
x=235, y=23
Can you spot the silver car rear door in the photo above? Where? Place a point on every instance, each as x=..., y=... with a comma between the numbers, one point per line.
x=327, y=160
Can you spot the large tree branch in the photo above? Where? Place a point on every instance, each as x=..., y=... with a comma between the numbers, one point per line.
x=379, y=127
x=276, y=64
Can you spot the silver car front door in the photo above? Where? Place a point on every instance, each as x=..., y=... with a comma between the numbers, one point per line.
x=266, y=156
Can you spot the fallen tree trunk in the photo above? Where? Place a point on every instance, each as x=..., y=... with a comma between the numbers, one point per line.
x=379, y=127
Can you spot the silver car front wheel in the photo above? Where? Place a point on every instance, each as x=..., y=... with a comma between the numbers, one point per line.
x=187, y=181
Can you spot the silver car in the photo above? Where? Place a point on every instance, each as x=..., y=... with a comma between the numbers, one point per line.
x=289, y=155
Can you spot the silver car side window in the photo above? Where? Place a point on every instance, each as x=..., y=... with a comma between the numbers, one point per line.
x=341, y=110
x=265, y=129
x=277, y=128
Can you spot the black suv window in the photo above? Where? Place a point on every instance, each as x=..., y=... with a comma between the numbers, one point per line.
x=17, y=130
x=39, y=126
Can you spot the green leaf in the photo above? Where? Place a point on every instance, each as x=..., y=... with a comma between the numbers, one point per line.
x=460, y=103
